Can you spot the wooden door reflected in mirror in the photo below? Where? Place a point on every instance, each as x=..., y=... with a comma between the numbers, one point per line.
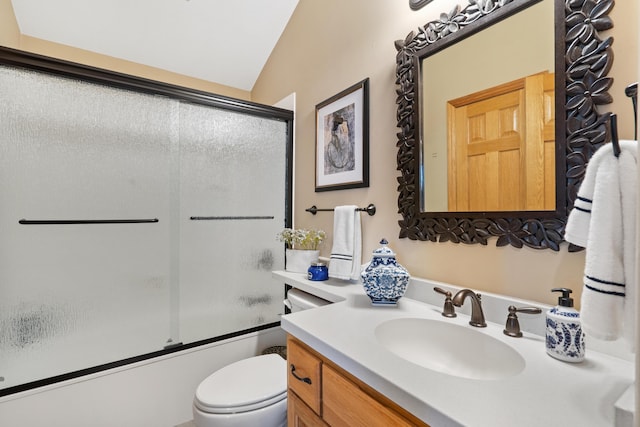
x=501, y=144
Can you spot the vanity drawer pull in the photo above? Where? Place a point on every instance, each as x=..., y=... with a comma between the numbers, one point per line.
x=304, y=380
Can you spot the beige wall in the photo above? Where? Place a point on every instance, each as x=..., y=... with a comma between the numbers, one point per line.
x=9, y=32
x=332, y=44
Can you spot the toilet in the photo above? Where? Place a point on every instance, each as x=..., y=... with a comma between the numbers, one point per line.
x=250, y=392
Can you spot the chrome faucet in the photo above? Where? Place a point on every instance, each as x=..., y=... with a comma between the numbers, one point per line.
x=477, y=316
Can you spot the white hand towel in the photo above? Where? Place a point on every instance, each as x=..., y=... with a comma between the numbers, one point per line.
x=347, y=243
x=604, y=222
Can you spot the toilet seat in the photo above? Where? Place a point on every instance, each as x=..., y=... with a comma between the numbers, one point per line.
x=247, y=385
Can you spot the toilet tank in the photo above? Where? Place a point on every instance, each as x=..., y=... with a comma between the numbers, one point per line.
x=298, y=300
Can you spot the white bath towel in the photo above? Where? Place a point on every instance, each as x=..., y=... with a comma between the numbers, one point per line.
x=346, y=252
x=603, y=221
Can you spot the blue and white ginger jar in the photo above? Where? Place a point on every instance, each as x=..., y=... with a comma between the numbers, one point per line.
x=384, y=280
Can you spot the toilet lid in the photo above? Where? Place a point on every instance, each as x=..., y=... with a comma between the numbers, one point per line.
x=245, y=385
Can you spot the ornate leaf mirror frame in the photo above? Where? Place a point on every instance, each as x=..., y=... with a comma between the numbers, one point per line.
x=417, y=4
x=582, y=63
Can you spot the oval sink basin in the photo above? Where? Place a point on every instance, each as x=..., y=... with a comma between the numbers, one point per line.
x=449, y=348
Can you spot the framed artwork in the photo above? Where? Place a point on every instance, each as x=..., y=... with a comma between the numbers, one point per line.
x=342, y=139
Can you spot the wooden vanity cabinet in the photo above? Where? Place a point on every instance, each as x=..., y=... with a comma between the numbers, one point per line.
x=300, y=415
x=322, y=394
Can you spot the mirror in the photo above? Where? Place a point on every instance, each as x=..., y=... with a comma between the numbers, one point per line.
x=488, y=139
x=581, y=63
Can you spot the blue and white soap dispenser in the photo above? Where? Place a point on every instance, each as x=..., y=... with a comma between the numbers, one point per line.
x=565, y=340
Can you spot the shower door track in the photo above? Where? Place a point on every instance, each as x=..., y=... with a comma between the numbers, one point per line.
x=135, y=359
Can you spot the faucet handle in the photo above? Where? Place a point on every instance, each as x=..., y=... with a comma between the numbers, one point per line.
x=512, y=327
x=448, y=310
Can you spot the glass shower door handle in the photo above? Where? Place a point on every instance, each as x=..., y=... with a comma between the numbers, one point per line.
x=85, y=221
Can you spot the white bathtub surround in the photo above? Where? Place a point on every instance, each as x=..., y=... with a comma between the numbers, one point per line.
x=157, y=392
x=582, y=394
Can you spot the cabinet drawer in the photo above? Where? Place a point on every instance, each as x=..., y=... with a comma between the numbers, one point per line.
x=347, y=405
x=304, y=374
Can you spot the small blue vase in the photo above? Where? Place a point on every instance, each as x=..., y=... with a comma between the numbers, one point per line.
x=384, y=280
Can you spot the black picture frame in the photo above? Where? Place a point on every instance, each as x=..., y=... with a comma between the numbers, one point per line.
x=342, y=140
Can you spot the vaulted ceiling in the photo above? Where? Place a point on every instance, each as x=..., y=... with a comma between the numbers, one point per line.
x=223, y=41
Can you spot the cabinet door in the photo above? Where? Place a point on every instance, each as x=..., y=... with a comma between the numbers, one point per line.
x=347, y=405
x=300, y=415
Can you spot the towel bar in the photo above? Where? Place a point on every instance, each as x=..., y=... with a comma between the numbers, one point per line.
x=371, y=209
x=614, y=135
x=632, y=92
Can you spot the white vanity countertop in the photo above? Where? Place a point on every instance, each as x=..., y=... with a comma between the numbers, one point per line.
x=546, y=392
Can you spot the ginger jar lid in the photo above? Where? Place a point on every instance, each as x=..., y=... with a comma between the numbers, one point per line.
x=384, y=251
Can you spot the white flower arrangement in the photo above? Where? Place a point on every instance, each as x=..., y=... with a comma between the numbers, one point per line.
x=304, y=239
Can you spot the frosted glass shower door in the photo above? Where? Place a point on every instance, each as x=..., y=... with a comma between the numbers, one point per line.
x=74, y=296
x=232, y=203
x=131, y=223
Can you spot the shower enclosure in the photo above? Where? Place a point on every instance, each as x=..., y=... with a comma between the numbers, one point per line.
x=136, y=218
